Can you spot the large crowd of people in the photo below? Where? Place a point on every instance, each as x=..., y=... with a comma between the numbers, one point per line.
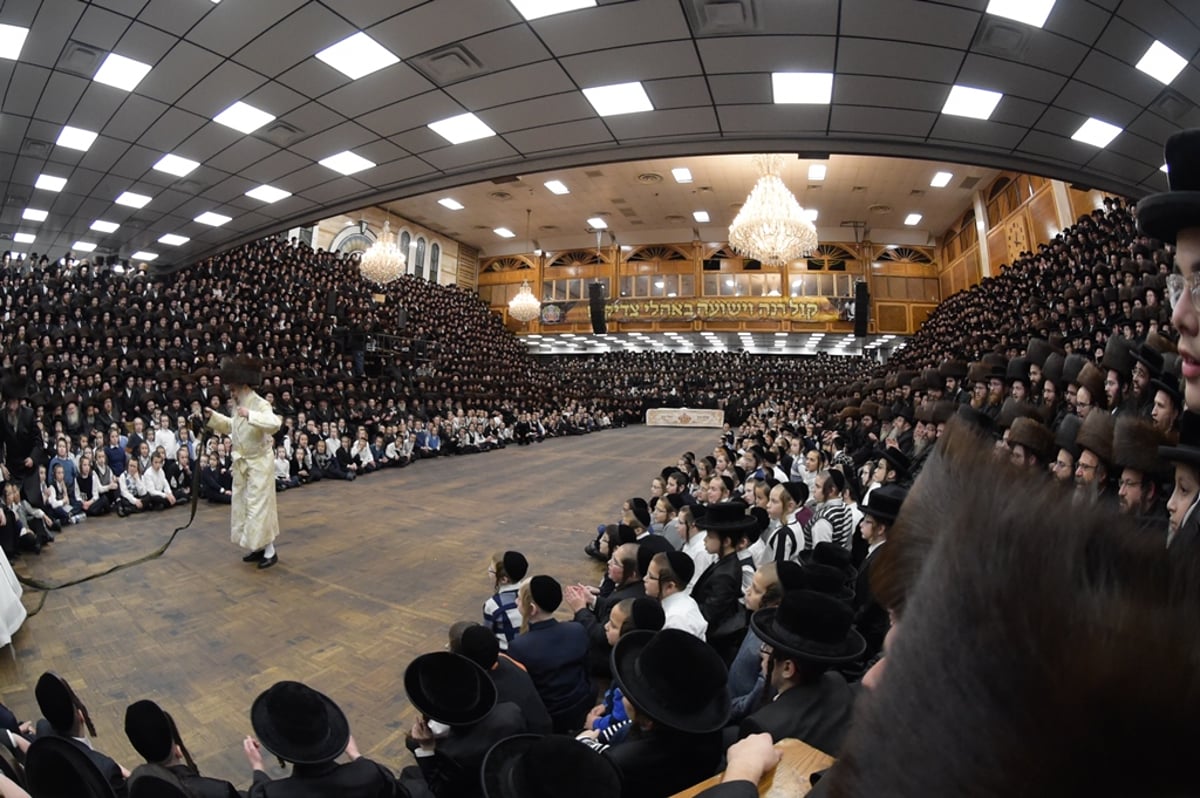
x=1035, y=424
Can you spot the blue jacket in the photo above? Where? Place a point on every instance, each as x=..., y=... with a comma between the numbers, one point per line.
x=555, y=655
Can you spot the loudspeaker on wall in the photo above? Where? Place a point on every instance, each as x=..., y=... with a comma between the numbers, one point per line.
x=862, y=308
x=596, y=306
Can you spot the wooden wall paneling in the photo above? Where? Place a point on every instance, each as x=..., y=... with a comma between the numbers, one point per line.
x=891, y=317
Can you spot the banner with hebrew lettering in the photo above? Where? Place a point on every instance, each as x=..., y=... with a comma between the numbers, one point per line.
x=812, y=309
x=684, y=417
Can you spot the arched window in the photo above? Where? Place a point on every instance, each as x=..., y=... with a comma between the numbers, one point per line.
x=435, y=255
x=419, y=260
x=405, y=241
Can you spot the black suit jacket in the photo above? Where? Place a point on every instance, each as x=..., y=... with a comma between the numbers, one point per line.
x=203, y=786
x=717, y=592
x=514, y=686
x=108, y=768
x=664, y=762
x=453, y=772
x=818, y=714
x=361, y=778
x=593, y=620
x=870, y=618
x=22, y=441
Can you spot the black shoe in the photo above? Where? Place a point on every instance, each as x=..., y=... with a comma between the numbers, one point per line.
x=591, y=551
x=255, y=556
x=267, y=562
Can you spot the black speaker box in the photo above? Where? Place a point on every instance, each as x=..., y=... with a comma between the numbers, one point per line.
x=862, y=308
x=596, y=306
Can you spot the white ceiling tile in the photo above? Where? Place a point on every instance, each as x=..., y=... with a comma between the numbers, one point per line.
x=546, y=110
x=458, y=156
x=678, y=92
x=626, y=64
x=432, y=25
x=773, y=118
x=615, y=25
x=897, y=59
x=364, y=13
x=414, y=112
x=855, y=119
x=377, y=90
x=561, y=136
x=748, y=54
x=512, y=85
x=307, y=31
x=229, y=26
x=909, y=20
x=677, y=122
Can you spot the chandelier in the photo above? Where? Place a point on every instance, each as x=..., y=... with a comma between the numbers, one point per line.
x=383, y=261
x=524, y=307
x=771, y=226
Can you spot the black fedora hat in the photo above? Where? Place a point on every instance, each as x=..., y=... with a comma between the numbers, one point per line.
x=534, y=766
x=884, y=503
x=1168, y=383
x=298, y=724
x=549, y=766
x=811, y=626
x=58, y=703
x=895, y=458
x=833, y=554
x=1188, y=449
x=1163, y=215
x=151, y=730
x=55, y=766
x=449, y=688
x=694, y=699
x=727, y=517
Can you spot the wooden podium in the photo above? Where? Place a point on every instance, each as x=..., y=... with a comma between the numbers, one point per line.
x=788, y=780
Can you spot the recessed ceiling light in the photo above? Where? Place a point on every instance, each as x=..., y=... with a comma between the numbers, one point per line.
x=971, y=102
x=619, y=98
x=682, y=174
x=912, y=219
x=1096, y=132
x=812, y=88
x=452, y=204
x=34, y=215
x=346, y=162
x=536, y=9
x=83, y=246
x=1162, y=63
x=557, y=187
x=12, y=39
x=357, y=56
x=76, y=138
x=700, y=216
x=504, y=232
x=1031, y=12
x=597, y=222
x=1164, y=169
x=462, y=128
x=268, y=194
x=50, y=183
x=941, y=179
x=121, y=72
x=817, y=171
x=174, y=165
x=810, y=214
x=132, y=200
x=172, y=240
x=105, y=227
x=243, y=117
x=142, y=254
x=24, y=238
x=213, y=219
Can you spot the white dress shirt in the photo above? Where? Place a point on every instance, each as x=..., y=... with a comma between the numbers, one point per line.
x=682, y=612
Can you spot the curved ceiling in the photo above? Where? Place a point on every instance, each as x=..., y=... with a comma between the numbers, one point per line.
x=706, y=69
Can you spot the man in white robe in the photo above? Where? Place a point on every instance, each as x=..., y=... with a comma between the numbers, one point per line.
x=254, y=524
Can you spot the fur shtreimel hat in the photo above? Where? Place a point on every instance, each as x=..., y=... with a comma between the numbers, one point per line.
x=1034, y=436
x=1096, y=435
x=241, y=370
x=1135, y=445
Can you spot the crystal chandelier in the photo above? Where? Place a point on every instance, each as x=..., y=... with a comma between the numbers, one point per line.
x=383, y=261
x=771, y=226
x=524, y=307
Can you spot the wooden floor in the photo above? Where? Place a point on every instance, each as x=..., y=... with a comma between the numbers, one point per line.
x=371, y=573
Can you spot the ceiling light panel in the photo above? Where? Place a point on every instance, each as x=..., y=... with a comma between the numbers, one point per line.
x=268, y=194
x=83, y=246
x=700, y=216
x=1031, y=12
x=34, y=215
x=809, y=88
x=557, y=187
x=121, y=72
x=941, y=179
x=243, y=117
x=971, y=102
x=504, y=232
x=172, y=240
x=358, y=56
x=619, y=98
x=132, y=200
x=462, y=128
x=12, y=39
x=142, y=254
x=76, y=138
x=24, y=238
x=682, y=174
x=175, y=165
x=912, y=219
x=50, y=183
x=451, y=203
x=597, y=222
x=346, y=163
x=810, y=214
x=213, y=219
x=1162, y=63
x=817, y=171
x=105, y=227
x=1096, y=132
x=536, y=9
